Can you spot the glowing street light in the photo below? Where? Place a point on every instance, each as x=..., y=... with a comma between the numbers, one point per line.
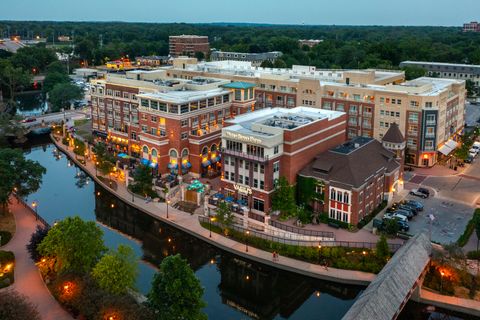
x=246, y=240
x=168, y=202
x=35, y=206
x=210, y=225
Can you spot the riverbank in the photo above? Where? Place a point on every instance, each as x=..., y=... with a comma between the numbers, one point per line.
x=190, y=224
x=466, y=306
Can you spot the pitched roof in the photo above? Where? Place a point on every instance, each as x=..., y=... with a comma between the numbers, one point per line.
x=385, y=295
x=393, y=134
x=239, y=85
x=352, y=163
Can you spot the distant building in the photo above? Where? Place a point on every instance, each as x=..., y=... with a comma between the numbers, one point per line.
x=152, y=61
x=448, y=70
x=188, y=45
x=63, y=38
x=352, y=179
x=255, y=58
x=309, y=42
x=473, y=26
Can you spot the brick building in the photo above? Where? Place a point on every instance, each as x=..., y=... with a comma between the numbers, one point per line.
x=350, y=180
x=260, y=147
x=473, y=26
x=173, y=125
x=188, y=45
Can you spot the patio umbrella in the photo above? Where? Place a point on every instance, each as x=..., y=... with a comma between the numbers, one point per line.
x=229, y=199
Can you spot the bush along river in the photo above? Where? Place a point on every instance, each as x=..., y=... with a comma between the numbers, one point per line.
x=235, y=288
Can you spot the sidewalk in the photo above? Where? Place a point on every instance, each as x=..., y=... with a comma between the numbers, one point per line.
x=190, y=224
x=28, y=280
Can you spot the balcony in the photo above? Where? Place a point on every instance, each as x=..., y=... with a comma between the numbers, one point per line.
x=206, y=131
x=353, y=112
x=430, y=135
x=431, y=122
x=367, y=114
x=412, y=133
x=244, y=155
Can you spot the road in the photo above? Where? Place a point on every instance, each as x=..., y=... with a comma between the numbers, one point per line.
x=56, y=117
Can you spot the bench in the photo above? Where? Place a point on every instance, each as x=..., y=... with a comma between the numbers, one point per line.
x=333, y=225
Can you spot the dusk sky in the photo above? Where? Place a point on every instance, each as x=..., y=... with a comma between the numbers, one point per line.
x=326, y=12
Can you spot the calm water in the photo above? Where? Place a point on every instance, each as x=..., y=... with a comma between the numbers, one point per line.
x=234, y=288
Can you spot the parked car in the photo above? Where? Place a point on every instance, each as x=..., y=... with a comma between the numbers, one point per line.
x=407, y=207
x=418, y=193
x=30, y=119
x=424, y=191
x=403, y=206
x=402, y=225
x=469, y=159
x=416, y=204
x=397, y=215
x=407, y=213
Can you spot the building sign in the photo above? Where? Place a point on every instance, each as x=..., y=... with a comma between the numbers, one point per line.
x=242, y=189
x=241, y=137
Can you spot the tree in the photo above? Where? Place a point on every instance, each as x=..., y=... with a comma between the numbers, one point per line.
x=199, y=55
x=391, y=227
x=283, y=198
x=14, y=306
x=266, y=64
x=35, y=59
x=382, y=252
x=36, y=238
x=18, y=173
x=56, y=67
x=279, y=63
x=176, y=293
x=63, y=94
x=116, y=271
x=470, y=86
x=13, y=78
x=54, y=78
x=414, y=72
x=224, y=215
x=79, y=146
x=76, y=245
x=142, y=180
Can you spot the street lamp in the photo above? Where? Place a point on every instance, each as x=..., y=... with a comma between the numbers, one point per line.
x=319, y=253
x=441, y=280
x=35, y=205
x=96, y=168
x=210, y=225
x=364, y=253
x=133, y=197
x=168, y=202
x=246, y=240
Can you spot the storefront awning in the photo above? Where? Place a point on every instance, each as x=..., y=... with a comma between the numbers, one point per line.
x=451, y=144
x=445, y=149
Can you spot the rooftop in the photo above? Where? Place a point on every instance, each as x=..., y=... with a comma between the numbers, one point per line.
x=239, y=85
x=184, y=96
x=431, y=63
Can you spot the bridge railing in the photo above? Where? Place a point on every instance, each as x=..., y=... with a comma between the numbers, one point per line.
x=32, y=211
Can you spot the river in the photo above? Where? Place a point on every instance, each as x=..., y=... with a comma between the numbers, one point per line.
x=235, y=288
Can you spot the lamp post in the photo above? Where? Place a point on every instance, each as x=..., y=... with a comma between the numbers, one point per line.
x=35, y=205
x=319, y=253
x=364, y=253
x=246, y=240
x=441, y=281
x=168, y=202
x=96, y=168
x=210, y=225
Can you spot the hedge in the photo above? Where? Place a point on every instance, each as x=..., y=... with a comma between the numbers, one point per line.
x=7, y=257
x=5, y=237
x=371, y=215
x=336, y=257
x=463, y=239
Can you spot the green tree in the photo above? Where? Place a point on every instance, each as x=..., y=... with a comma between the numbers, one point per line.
x=54, y=78
x=63, y=94
x=392, y=227
x=279, y=63
x=56, y=67
x=18, y=173
x=14, y=306
x=142, y=180
x=199, y=55
x=414, y=72
x=76, y=245
x=224, y=215
x=34, y=59
x=382, y=252
x=283, y=198
x=266, y=64
x=470, y=86
x=79, y=146
x=116, y=271
x=176, y=293
x=13, y=79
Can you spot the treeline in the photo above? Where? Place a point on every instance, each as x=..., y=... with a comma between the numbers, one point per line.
x=342, y=46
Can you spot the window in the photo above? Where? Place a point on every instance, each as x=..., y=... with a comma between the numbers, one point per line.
x=184, y=135
x=428, y=145
x=339, y=197
x=345, y=217
x=262, y=184
x=238, y=95
x=133, y=136
x=255, y=150
x=234, y=146
x=154, y=105
x=428, y=104
x=163, y=133
x=262, y=168
x=144, y=103
x=247, y=180
x=240, y=179
x=255, y=183
x=258, y=204
x=430, y=119
x=173, y=108
x=247, y=165
x=346, y=197
x=226, y=175
x=382, y=112
x=154, y=119
x=332, y=214
x=184, y=108
x=153, y=131
x=275, y=150
x=125, y=95
x=413, y=117
x=397, y=114
x=276, y=166
x=333, y=194
x=145, y=129
x=162, y=107
x=414, y=103
x=184, y=123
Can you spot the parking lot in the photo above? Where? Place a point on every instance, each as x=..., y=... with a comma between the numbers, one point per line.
x=450, y=221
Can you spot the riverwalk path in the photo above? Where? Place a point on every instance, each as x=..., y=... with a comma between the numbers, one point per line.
x=28, y=280
x=189, y=223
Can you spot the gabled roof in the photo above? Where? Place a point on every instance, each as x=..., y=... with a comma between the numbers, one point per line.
x=239, y=85
x=393, y=135
x=386, y=294
x=363, y=160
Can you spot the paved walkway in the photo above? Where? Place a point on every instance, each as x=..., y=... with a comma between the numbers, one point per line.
x=190, y=224
x=28, y=280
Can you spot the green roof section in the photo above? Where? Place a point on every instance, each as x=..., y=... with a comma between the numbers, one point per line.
x=239, y=85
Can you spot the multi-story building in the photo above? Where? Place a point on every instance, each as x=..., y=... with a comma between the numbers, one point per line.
x=188, y=45
x=173, y=125
x=473, y=26
x=448, y=70
x=152, y=61
x=309, y=42
x=351, y=180
x=260, y=147
x=255, y=58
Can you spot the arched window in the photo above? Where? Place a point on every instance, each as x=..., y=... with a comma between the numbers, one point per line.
x=205, y=151
x=145, y=149
x=213, y=148
x=173, y=153
x=184, y=153
x=154, y=153
x=332, y=194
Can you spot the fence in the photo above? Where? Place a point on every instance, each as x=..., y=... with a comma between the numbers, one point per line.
x=305, y=243
x=32, y=211
x=312, y=233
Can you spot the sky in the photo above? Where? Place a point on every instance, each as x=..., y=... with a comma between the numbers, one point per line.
x=309, y=12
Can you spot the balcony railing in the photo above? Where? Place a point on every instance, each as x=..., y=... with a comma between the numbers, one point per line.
x=367, y=114
x=413, y=133
x=431, y=122
x=244, y=155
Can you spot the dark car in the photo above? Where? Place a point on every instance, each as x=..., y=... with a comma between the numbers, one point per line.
x=407, y=207
x=407, y=213
x=413, y=203
x=31, y=119
x=469, y=159
x=402, y=225
x=424, y=191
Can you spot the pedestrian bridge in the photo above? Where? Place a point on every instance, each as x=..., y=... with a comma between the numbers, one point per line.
x=403, y=275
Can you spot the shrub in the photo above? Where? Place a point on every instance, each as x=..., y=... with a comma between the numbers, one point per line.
x=463, y=239
x=474, y=255
x=6, y=258
x=371, y=215
x=5, y=237
x=14, y=306
x=36, y=238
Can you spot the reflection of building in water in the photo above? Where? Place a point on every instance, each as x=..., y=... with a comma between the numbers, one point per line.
x=262, y=292
x=158, y=239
